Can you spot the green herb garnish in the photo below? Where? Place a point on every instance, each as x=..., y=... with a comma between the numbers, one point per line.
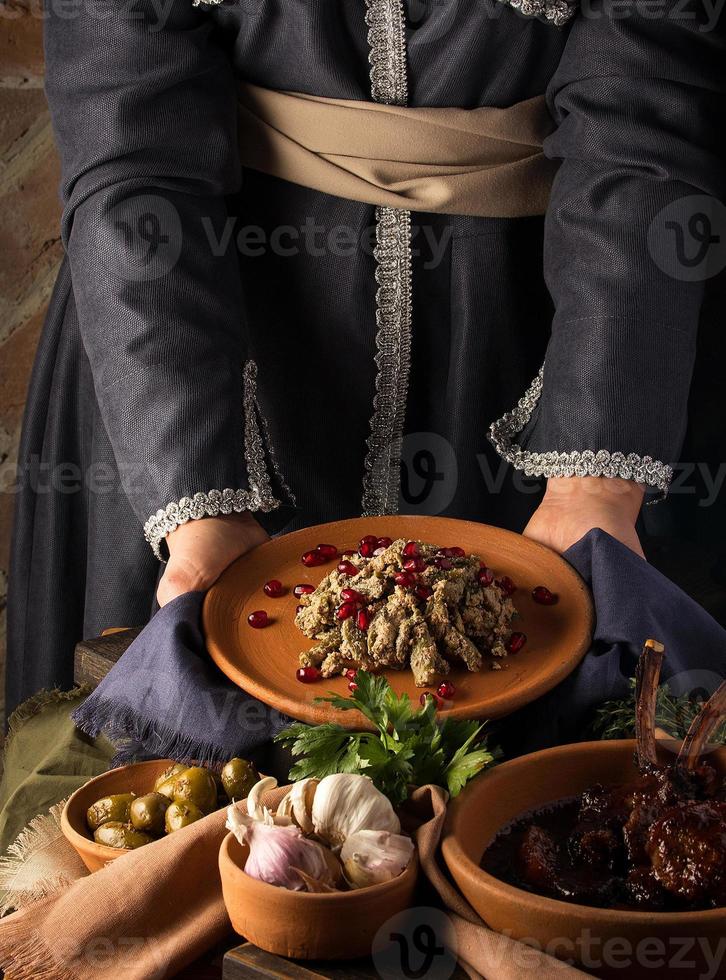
x=673, y=713
x=409, y=748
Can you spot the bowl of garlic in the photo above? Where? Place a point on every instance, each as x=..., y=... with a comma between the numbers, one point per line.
x=317, y=878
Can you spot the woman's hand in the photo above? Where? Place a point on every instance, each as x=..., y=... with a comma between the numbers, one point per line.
x=572, y=506
x=199, y=552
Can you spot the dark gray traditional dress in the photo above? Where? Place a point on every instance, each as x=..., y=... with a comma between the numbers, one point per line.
x=221, y=339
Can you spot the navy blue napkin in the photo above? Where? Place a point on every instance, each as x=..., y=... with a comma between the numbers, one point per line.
x=165, y=697
x=633, y=602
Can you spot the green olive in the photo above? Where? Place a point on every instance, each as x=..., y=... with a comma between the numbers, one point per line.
x=120, y=835
x=180, y=815
x=110, y=808
x=147, y=813
x=238, y=778
x=169, y=775
x=196, y=786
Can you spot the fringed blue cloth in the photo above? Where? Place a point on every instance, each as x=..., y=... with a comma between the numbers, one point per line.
x=166, y=698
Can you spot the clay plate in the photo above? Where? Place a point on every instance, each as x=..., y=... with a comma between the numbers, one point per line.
x=263, y=661
x=494, y=799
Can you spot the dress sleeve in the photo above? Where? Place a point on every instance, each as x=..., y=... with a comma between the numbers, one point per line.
x=143, y=106
x=638, y=102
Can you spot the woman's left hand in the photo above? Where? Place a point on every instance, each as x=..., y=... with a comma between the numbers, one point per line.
x=572, y=506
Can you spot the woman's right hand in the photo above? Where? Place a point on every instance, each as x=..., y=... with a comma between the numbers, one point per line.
x=199, y=551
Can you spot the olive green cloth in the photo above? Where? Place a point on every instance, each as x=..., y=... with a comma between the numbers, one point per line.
x=46, y=758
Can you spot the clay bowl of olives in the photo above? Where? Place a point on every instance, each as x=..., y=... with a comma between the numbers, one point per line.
x=135, y=805
x=617, y=940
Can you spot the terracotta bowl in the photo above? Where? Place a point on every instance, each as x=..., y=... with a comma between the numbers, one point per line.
x=300, y=925
x=593, y=937
x=138, y=778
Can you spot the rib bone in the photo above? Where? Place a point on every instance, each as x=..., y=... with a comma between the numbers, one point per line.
x=646, y=692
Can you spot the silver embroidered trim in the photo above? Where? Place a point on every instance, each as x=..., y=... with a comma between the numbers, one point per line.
x=387, y=42
x=212, y=503
x=588, y=462
x=392, y=254
x=382, y=482
x=557, y=12
x=206, y=3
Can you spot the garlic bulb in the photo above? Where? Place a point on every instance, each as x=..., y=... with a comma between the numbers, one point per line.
x=276, y=850
x=345, y=803
x=372, y=856
x=275, y=853
x=297, y=805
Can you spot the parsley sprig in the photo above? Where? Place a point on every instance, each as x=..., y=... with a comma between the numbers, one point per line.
x=409, y=747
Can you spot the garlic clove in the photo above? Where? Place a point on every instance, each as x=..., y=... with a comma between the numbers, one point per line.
x=370, y=857
x=313, y=885
x=297, y=804
x=254, y=806
x=345, y=803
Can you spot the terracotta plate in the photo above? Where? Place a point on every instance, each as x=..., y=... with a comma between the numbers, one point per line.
x=263, y=661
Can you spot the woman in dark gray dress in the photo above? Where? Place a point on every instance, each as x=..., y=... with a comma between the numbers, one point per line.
x=208, y=366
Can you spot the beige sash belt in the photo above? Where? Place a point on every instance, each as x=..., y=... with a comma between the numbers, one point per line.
x=484, y=161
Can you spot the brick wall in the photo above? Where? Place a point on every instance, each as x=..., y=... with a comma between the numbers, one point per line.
x=30, y=250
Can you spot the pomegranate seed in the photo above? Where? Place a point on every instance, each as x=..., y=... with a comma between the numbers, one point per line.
x=446, y=690
x=311, y=559
x=352, y=687
x=506, y=585
x=329, y=551
x=405, y=579
x=368, y=539
x=350, y=673
x=367, y=548
x=411, y=550
x=351, y=595
x=306, y=675
x=414, y=565
x=486, y=576
x=347, y=568
x=345, y=610
x=455, y=552
x=516, y=642
x=385, y=542
x=258, y=619
x=429, y=695
x=303, y=589
x=363, y=619
x=543, y=596
x=444, y=564
x=274, y=589
x=424, y=591
x=349, y=552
